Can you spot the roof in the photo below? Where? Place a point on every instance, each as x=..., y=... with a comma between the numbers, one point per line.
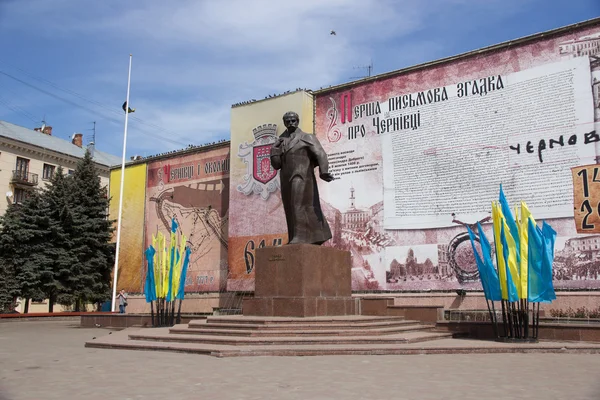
x=175, y=153
x=489, y=49
x=39, y=139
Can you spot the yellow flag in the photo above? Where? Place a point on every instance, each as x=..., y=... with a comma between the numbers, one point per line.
x=512, y=258
x=524, y=245
x=499, y=251
x=158, y=275
x=165, y=272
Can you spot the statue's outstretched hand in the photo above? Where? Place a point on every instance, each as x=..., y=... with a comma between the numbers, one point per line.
x=277, y=148
x=327, y=177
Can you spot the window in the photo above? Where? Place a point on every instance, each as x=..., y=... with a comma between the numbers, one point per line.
x=19, y=195
x=22, y=168
x=70, y=172
x=48, y=172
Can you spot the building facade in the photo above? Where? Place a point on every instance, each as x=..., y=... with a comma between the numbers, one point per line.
x=30, y=157
x=355, y=219
x=28, y=160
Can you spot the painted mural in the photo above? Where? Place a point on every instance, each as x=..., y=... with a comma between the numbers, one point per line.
x=257, y=217
x=422, y=154
x=131, y=263
x=193, y=188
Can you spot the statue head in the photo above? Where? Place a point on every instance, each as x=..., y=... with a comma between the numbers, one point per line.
x=291, y=121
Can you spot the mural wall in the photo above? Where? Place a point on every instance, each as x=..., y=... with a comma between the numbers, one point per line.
x=194, y=189
x=131, y=262
x=257, y=218
x=421, y=153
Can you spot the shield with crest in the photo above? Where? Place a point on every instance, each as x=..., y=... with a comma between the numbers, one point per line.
x=263, y=171
x=260, y=175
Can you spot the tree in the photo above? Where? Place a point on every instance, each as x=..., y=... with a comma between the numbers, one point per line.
x=8, y=288
x=57, y=197
x=25, y=229
x=90, y=232
x=8, y=284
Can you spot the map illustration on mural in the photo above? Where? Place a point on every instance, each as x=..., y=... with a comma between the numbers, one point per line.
x=193, y=189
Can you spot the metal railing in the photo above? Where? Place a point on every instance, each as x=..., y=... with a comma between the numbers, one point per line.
x=24, y=177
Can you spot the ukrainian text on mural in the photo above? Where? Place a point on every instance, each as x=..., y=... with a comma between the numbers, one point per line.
x=413, y=149
x=451, y=152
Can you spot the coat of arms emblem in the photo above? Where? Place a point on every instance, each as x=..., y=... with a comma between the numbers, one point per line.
x=260, y=175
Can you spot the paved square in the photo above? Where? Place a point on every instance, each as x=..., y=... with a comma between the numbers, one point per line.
x=47, y=360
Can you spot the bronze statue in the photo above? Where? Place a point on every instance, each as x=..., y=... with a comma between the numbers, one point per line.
x=297, y=154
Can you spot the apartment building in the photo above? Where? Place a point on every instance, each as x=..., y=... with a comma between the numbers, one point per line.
x=29, y=158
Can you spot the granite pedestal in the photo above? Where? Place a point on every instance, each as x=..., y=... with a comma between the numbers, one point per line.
x=301, y=280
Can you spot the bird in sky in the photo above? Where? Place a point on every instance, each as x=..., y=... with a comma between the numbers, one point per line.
x=333, y=33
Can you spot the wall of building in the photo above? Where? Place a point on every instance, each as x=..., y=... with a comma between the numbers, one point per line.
x=420, y=145
x=37, y=157
x=256, y=211
x=193, y=188
x=131, y=260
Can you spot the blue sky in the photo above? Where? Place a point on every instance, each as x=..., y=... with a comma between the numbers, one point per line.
x=193, y=59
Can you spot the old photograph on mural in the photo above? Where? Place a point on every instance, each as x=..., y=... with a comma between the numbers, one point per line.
x=193, y=190
x=358, y=228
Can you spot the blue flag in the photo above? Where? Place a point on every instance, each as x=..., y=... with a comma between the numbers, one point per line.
x=480, y=266
x=150, y=286
x=492, y=274
x=541, y=256
x=487, y=272
x=184, y=268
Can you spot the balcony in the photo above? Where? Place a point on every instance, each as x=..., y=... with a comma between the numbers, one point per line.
x=24, y=178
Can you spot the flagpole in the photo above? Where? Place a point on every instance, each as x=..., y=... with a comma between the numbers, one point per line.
x=116, y=271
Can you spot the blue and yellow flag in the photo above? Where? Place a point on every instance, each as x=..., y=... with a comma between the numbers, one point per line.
x=167, y=266
x=524, y=255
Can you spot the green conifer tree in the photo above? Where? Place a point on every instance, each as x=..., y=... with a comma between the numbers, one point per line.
x=58, y=198
x=90, y=235
x=23, y=241
x=9, y=289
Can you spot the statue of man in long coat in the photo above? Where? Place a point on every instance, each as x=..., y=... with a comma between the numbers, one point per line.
x=297, y=154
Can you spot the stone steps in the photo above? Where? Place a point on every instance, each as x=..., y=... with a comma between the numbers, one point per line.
x=238, y=335
x=303, y=321
x=208, y=324
x=287, y=341
x=378, y=331
x=120, y=341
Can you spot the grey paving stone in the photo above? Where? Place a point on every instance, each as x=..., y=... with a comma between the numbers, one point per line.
x=47, y=360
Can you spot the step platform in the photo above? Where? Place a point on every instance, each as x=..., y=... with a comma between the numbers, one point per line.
x=234, y=336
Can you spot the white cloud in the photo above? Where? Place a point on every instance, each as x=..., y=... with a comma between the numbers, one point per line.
x=192, y=59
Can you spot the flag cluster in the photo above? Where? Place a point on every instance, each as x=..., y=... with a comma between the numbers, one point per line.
x=167, y=266
x=524, y=256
